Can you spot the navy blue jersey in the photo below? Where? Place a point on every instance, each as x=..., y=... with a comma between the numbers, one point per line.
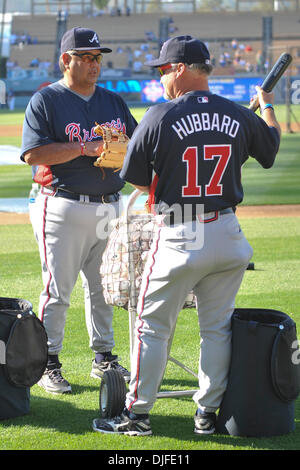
x=56, y=114
x=196, y=145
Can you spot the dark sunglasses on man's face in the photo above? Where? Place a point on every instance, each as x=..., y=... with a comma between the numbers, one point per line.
x=163, y=68
x=88, y=58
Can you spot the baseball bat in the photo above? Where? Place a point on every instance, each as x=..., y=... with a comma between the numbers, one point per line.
x=273, y=76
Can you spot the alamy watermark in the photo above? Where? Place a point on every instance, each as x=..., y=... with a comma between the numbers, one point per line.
x=2, y=92
x=2, y=352
x=295, y=95
x=296, y=353
x=191, y=226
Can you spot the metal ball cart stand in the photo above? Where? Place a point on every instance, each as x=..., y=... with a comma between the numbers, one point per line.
x=113, y=388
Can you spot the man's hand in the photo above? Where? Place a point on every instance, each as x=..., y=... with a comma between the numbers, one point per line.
x=268, y=114
x=93, y=148
x=114, y=148
x=264, y=97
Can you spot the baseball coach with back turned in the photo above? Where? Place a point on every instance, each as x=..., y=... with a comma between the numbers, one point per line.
x=195, y=144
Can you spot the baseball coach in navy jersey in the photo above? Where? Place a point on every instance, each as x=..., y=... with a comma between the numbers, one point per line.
x=189, y=152
x=59, y=138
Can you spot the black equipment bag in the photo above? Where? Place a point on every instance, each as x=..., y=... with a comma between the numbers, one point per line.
x=23, y=355
x=264, y=376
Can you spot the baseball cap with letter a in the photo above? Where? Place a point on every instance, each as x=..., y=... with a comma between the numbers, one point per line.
x=81, y=39
x=185, y=49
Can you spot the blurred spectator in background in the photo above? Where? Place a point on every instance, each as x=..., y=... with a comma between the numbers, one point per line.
x=228, y=58
x=150, y=36
x=266, y=65
x=137, y=53
x=45, y=65
x=11, y=100
x=129, y=57
x=173, y=29
x=259, y=62
x=144, y=47
x=234, y=44
x=148, y=57
x=249, y=67
x=222, y=60
x=10, y=64
x=35, y=62
x=137, y=66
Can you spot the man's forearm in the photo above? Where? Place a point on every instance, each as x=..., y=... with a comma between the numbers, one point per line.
x=269, y=117
x=61, y=152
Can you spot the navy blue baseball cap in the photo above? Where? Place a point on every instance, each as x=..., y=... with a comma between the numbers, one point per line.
x=185, y=49
x=81, y=39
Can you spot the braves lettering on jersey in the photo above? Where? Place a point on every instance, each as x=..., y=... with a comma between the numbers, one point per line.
x=56, y=114
x=196, y=145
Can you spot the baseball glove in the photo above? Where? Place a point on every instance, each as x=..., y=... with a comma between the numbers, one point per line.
x=114, y=148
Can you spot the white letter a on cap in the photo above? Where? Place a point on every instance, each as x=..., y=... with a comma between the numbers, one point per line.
x=94, y=38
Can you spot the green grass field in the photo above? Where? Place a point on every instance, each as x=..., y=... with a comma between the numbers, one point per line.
x=64, y=422
x=278, y=185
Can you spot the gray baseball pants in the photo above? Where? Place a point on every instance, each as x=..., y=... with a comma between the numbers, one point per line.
x=72, y=236
x=214, y=272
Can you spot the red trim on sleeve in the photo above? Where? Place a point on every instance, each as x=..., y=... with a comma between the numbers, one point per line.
x=151, y=198
x=43, y=175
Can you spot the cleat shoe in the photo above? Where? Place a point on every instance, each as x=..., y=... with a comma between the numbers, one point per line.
x=109, y=362
x=128, y=424
x=205, y=423
x=53, y=382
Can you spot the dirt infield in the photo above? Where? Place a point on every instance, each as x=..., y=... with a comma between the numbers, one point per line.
x=9, y=218
x=243, y=212
x=11, y=130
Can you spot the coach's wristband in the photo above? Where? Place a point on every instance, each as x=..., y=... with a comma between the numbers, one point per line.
x=83, y=147
x=268, y=105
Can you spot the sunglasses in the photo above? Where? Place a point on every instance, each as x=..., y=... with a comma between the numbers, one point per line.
x=163, y=68
x=89, y=58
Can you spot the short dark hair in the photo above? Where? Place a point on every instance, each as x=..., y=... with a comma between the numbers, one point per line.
x=206, y=68
x=61, y=65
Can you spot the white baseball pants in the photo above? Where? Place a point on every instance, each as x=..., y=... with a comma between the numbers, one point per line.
x=72, y=236
x=214, y=272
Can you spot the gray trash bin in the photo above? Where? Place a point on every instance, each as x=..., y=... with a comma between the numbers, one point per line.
x=264, y=377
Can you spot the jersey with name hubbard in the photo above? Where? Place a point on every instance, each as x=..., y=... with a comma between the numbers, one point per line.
x=196, y=145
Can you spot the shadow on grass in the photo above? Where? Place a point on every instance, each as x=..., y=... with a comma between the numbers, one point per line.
x=66, y=414
x=55, y=415
x=182, y=428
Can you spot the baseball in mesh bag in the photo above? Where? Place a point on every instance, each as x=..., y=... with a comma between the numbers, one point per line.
x=114, y=269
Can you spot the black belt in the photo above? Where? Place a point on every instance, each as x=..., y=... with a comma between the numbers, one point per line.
x=228, y=210
x=104, y=198
x=171, y=220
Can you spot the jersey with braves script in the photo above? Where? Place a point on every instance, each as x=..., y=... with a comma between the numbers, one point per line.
x=196, y=145
x=56, y=114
